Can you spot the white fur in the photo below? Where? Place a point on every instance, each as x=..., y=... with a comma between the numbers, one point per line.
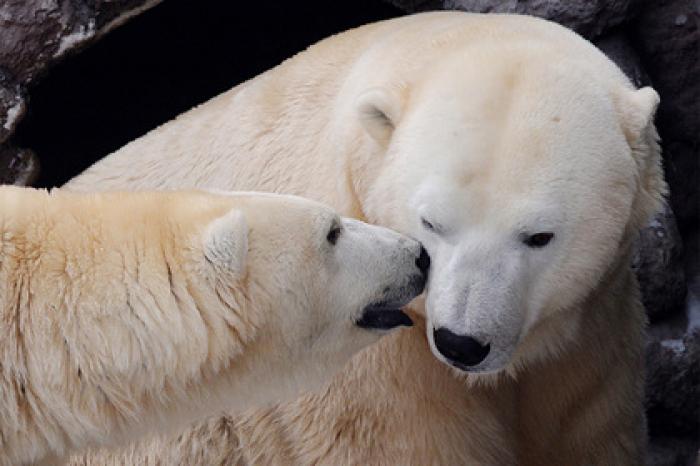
x=490, y=126
x=128, y=313
x=226, y=241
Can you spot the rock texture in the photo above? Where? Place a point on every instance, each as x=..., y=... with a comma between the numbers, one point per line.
x=18, y=166
x=658, y=263
x=668, y=36
x=673, y=382
x=34, y=34
x=673, y=399
x=619, y=48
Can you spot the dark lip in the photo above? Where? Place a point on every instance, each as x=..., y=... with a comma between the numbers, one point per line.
x=470, y=369
x=460, y=366
x=383, y=316
x=387, y=313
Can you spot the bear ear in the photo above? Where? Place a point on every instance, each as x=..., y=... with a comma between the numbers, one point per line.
x=226, y=242
x=637, y=110
x=378, y=110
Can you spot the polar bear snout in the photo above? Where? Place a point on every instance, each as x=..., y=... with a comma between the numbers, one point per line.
x=387, y=314
x=462, y=351
x=397, y=267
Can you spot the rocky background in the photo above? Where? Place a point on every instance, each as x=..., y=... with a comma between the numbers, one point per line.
x=63, y=105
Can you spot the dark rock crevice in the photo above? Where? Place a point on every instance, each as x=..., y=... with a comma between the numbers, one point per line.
x=36, y=34
x=159, y=64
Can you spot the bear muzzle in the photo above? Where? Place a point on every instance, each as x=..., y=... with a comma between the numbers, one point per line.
x=387, y=314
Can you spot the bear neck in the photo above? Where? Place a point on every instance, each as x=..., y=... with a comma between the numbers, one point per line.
x=559, y=394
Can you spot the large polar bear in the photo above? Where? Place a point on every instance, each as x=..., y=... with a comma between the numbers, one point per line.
x=524, y=160
x=123, y=313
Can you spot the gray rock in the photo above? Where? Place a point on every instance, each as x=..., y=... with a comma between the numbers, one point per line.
x=658, y=262
x=414, y=6
x=667, y=35
x=618, y=47
x=673, y=386
x=590, y=18
x=670, y=451
x=18, y=166
x=34, y=34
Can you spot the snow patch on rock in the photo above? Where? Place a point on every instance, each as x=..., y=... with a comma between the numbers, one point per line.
x=13, y=114
x=674, y=344
x=71, y=40
x=693, y=307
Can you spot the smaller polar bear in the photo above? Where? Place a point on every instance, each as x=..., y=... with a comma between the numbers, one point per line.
x=129, y=312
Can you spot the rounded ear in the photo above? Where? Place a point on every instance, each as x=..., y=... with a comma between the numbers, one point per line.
x=226, y=242
x=378, y=110
x=636, y=109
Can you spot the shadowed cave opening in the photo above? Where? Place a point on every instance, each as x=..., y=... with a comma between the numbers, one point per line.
x=164, y=62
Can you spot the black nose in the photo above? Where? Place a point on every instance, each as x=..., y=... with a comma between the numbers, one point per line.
x=462, y=350
x=423, y=261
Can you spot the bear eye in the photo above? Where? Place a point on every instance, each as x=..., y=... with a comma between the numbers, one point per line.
x=427, y=225
x=538, y=240
x=333, y=234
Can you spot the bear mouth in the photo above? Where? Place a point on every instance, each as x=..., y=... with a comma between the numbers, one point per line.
x=383, y=316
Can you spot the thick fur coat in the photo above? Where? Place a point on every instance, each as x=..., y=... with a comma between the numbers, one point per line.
x=472, y=133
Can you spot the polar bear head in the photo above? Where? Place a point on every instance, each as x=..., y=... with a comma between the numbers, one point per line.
x=525, y=173
x=313, y=287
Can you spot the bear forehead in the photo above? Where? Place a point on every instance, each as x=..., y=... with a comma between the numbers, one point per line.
x=511, y=118
x=479, y=85
x=508, y=132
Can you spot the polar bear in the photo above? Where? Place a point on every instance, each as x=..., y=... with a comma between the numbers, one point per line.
x=123, y=313
x=526, y=162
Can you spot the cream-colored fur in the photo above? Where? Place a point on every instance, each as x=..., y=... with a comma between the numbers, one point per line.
x=492, y=128
x=127, y=313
